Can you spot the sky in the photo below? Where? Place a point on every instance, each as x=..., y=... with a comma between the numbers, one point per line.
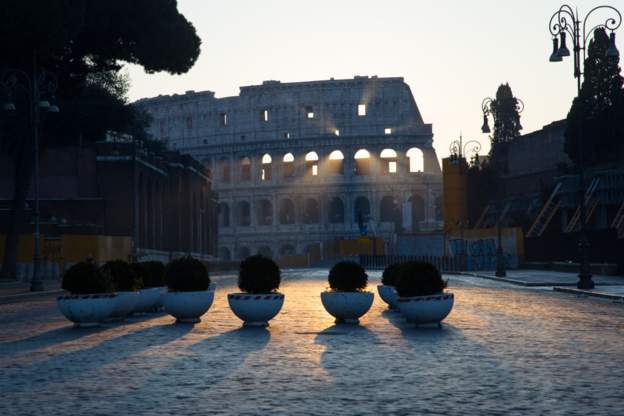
x=452, y=53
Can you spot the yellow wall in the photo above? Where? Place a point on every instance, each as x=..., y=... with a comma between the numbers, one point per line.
x=25, y=250
x=363, y=245
x=455, y=185
x=100, y=247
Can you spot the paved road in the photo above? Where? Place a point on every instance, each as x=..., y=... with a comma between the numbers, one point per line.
x=503, y=351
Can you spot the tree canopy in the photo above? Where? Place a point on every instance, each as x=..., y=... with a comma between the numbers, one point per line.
x=597, y=113
x=504, y=110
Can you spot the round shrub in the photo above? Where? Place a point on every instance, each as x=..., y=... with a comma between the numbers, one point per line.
x=187, y=274
x=122, y=275
x=418, y=278
x=155, y=273
x=142, y=272
x=391, y=274
x=85, y=278
x=347, y=276
x=259, y=274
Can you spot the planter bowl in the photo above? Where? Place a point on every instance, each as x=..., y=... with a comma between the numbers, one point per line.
x=126, y=301
x=426, y=309
x=87, y=310
x=389, y=295
x=347, y=307
x=256, y=309
x=188, y=307
x=148, y=299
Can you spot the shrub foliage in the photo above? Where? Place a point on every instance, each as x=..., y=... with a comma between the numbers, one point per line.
x=85, y=278
x=418, y=278
x=347, y=276
x=155, y=273
x=259, y=274
x=391, y=274
x=187, y=274
x=123, y=276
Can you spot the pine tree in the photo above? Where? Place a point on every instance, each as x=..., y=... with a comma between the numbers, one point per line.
x=507, y=125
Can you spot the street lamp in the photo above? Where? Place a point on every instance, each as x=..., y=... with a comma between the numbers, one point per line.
x=566, y=21
x=458, y=150
x=12, y=80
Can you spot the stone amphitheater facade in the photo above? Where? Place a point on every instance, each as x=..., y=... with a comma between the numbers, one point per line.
x=298, y=165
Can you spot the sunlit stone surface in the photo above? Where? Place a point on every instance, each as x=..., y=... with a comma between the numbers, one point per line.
x=501, y=351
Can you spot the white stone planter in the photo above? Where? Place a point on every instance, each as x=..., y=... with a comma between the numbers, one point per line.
x=147, y=299
x=256, y=309
x=347, y=307
x=388, y=294
x=188, y=307
x=87, y=310
x=426, y=309
x=124, y=306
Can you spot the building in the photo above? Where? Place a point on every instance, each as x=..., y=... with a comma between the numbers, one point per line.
x=301, y=165
x=88, y=196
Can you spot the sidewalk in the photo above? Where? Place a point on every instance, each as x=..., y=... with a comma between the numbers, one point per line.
x=15, y=291
x=536, y=278
x=615, y=293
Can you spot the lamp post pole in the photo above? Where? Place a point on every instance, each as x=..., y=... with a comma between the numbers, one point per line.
x=567, y=21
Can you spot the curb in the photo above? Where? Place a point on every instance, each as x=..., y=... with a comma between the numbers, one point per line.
x=583, y=292
x=20, y=297
x=516, y=282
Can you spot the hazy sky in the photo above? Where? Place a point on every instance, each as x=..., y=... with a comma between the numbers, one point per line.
x=451, y=53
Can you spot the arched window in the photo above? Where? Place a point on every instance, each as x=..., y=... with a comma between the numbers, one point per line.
x=265, y=212
x=418, y=210
x=224, y=214
x=390, y=211
x=389, y=156
x=243, y=252
x=335, y=164
x=311, y=160
x=288, y=165
x=244, y=217
x=362, y=162
x=287, y=212
x=336, y=211
x=311, y=212
x=224, y=253
x=265, y=251
x=416, y=160
x=361, y=210
x=265, y=171
x=245, y=169
x=287, y=250
x=224, y=169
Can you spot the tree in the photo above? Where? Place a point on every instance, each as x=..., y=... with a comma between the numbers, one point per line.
x=84, y=42
x=504, y=109
x=594, y=124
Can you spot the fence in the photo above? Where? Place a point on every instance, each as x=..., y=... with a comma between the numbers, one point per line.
x=443, y=263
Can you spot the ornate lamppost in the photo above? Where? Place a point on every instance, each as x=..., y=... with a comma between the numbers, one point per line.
x=488, y=110
x=567, y=21
x=458, y=150
x=38, y=88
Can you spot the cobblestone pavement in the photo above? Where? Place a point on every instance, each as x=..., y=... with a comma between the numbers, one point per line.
x=503, y=351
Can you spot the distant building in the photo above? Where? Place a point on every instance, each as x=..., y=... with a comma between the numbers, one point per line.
x=301, y=165
x=87, y=200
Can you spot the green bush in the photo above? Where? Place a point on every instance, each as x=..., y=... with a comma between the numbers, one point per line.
x=186, y=274
x=418, y=278
x=259, y=274
x=155, y=273
x=85, y=278
x=123, y=276
x=347, y=276
x=391, y=274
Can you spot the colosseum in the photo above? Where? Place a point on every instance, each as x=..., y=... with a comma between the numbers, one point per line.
x=298, y=166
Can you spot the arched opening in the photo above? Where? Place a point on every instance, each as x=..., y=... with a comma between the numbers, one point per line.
x=266, y=171
x=335, y=164
x=362, y=162
x=287, y=212
x=224, y=169
x=389, y=157
x=243, y=252
x=265, y=251
x=288, y=165
x=418, y=210
x=224, y=253
x=416, y=160
x=390, y=211
x=265, y=212
x=244, y=214
x=245, y=169
x=287, y=250
x=224, y=214
x=311, y=160
x=361, y=211
x=336, y=211
x=311, y=211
